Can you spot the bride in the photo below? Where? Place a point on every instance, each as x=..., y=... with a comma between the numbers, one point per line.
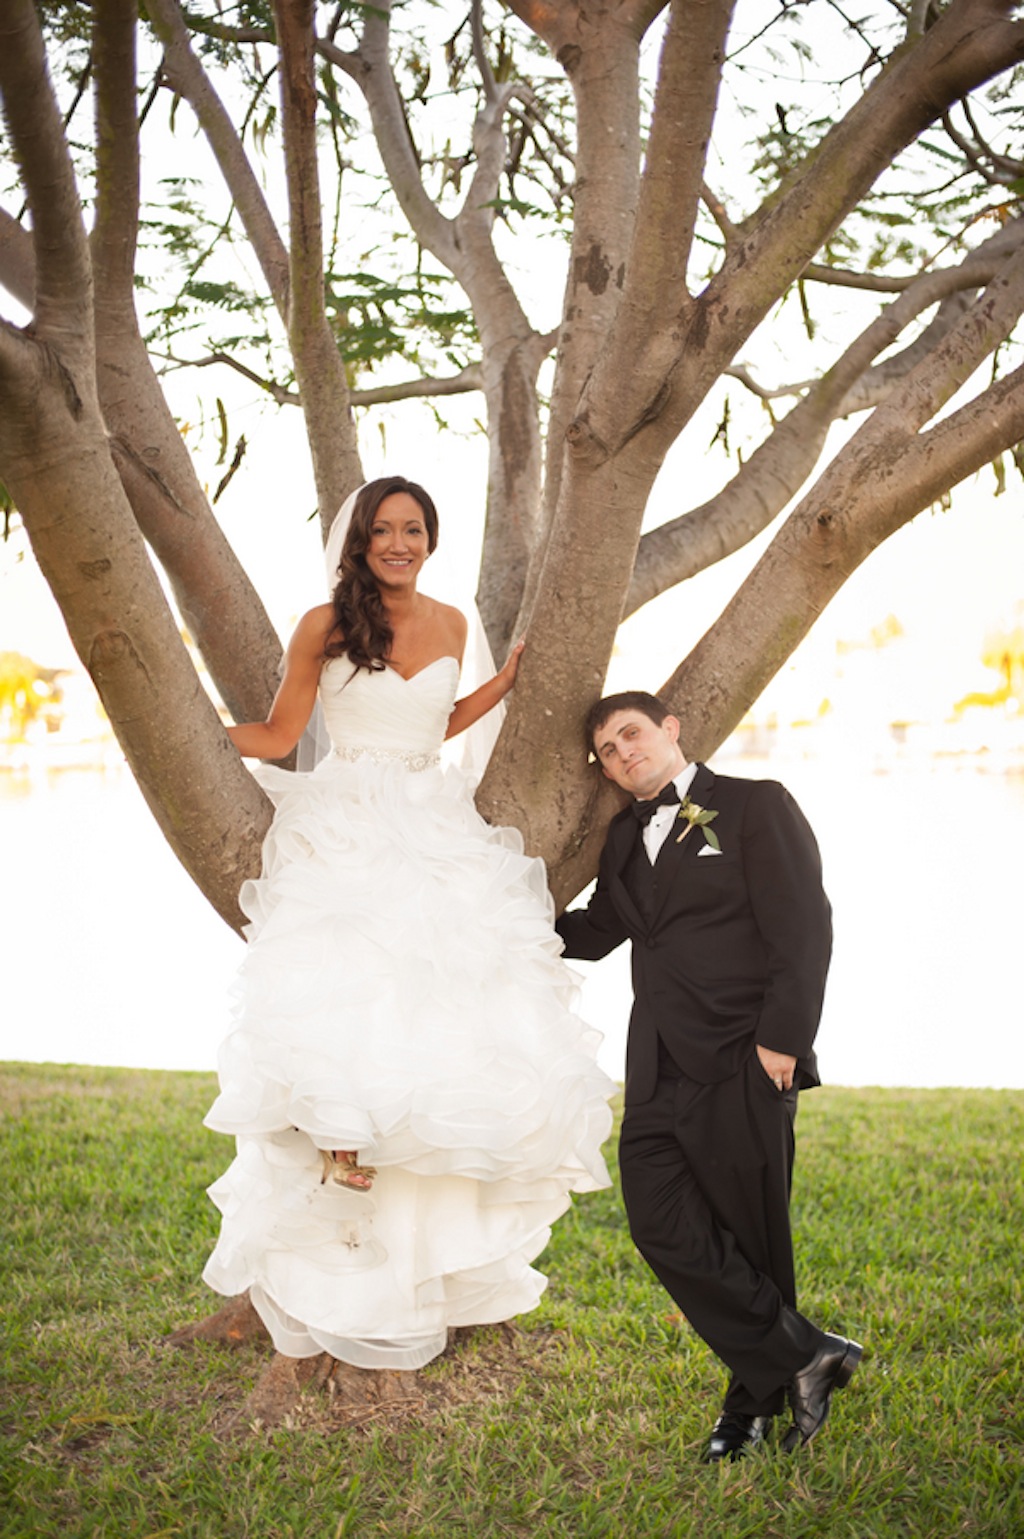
x=412, y=1096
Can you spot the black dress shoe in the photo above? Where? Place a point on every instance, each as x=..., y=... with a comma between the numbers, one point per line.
x=734, y=1435
x=810, y=1393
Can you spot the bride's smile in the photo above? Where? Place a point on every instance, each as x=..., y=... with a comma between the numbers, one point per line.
x=399, y=542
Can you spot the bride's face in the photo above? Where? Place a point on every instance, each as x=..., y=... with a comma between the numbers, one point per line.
x=399, y=542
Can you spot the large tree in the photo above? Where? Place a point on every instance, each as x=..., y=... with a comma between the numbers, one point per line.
x=668, y=278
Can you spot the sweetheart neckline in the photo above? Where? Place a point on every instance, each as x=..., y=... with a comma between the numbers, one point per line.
x=446, y=657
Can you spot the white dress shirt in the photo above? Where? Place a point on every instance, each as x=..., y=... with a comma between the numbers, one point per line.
x=662, y=819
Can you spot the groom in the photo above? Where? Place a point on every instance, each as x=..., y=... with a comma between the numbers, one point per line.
x=717, y=883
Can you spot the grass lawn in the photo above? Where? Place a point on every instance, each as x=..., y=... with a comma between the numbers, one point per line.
x=586, y=1420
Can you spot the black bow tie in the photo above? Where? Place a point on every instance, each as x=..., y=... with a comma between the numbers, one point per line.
x=644, y=811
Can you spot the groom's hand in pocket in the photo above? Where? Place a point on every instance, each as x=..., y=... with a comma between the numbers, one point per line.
x=779, y=1067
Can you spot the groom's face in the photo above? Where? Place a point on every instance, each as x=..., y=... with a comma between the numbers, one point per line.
x=638, y=754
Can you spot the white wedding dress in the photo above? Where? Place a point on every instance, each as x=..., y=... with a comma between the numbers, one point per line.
x=402, y=995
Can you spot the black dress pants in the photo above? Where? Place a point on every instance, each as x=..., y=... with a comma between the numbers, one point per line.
x=706, y=1174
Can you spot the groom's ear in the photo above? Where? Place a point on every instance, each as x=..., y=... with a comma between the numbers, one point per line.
x=671, y=725
x=601, y=767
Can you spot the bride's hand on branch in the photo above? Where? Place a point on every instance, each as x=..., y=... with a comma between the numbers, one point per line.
x=471, y=707
x=509, y=672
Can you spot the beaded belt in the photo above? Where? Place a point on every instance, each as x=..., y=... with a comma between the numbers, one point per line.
x=413, y=761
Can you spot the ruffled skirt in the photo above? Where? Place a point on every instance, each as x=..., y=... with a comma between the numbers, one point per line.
x=402, y=995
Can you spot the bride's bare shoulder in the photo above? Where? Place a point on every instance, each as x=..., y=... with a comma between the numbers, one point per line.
x=313, y=629
x=453, y=622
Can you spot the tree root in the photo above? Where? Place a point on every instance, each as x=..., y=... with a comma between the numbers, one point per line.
x=321, y=1391
x=345, y=1394
x=236, y=1325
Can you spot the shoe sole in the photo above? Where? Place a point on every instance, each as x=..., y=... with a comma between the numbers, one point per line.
x=849, y=1365
x=844, y=1373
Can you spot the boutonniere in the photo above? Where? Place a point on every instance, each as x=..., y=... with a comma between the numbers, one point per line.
x=698, y=817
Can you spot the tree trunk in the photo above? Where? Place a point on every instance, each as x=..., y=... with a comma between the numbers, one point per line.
x=56, y=462
x=600, y=52
x=53, y=447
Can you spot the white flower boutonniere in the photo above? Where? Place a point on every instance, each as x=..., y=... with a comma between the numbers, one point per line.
x=698, y=817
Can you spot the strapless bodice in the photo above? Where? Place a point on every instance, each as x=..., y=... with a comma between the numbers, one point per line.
x=381, y=712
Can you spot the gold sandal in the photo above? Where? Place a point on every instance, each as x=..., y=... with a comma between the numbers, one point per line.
x=343, y=1168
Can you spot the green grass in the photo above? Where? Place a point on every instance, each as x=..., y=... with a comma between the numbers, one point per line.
x=908, y=1214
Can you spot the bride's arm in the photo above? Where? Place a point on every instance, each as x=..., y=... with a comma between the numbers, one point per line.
x=471, y=707
x=296, y=696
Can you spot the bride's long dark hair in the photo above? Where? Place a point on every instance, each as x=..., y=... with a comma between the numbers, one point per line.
x=362, y=631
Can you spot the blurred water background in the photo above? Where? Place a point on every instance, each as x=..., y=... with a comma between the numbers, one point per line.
x=111, y=955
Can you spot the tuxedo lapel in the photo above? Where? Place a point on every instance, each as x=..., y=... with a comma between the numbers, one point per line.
x=623, y=839
x=682, y=843
x=702, y=789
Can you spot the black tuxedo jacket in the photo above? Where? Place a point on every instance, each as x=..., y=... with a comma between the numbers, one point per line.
x=735, y=949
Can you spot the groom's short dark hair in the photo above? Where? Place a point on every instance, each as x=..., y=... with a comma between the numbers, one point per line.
x=628, y=700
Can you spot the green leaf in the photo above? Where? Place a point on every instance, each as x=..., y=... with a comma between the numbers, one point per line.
x=222, y=418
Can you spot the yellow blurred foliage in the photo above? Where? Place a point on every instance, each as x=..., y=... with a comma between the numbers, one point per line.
x=28, y=692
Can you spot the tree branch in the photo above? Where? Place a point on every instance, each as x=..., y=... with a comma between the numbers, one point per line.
x=741, y=373
x=970, y=42
x=63, y=270
x=886, y=474
x=841, y=277
x=115, y=228
x=318, y=367
x=512, y=352
x=352, y=64
x=391, y=132
x=967, y=440
x=228, y=623
x=917, y=16
x=560, y=25
x=279, y=393
x=17, y=261
x=716, y=208
x=599, y=51
x=56, y=459
x=228, y=34
x=17, y=354
x=468, y=379
x=186, y=74
x=1004, y=171
x=487, y=80
x=974, y=272
x=689, y=76
x=778, y=468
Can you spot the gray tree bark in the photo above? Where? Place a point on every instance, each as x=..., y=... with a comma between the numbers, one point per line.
x=57, y=464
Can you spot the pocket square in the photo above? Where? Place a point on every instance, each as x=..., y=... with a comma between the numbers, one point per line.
x=708, y=849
